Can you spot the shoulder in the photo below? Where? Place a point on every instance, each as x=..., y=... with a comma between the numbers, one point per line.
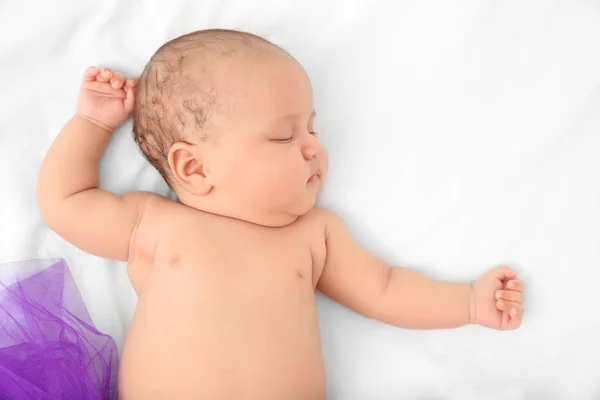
x=321, y=214
x=314, y=229
x=326, y=218
x=143, y=200
x=156, y=205
x=153, y=211
x=146, y=205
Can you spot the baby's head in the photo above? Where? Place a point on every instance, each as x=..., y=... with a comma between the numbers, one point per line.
x=227, y=119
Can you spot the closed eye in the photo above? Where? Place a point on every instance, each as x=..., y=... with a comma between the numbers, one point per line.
x=286, y=140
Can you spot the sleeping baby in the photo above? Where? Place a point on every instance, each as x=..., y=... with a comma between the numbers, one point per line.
x=226, y=276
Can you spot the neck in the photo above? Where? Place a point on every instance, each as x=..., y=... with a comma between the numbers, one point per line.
x=224, y=209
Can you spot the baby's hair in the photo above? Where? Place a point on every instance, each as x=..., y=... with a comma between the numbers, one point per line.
x=175, y=95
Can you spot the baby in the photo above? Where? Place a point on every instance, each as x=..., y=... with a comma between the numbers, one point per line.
x=226, y=277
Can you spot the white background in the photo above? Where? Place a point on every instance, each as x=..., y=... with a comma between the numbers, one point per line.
x=462, y=135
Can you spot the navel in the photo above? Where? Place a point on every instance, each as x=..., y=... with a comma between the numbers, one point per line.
x=174, y=261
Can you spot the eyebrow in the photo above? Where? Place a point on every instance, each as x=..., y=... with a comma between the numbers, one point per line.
x=287, y=117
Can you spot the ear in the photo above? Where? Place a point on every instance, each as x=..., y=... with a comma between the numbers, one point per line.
x=188, y=168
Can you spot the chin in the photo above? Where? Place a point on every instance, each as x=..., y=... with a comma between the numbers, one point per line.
x=305, y=206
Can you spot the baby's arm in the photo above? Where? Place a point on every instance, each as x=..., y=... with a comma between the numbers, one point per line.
x=403, y=297
x=68, y=196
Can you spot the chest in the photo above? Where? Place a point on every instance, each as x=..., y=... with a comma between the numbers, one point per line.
x=216, y=250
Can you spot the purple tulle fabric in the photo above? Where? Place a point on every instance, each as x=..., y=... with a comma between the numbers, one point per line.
x=49, y=347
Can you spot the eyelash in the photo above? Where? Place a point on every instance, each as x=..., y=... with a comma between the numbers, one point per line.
x=291, y=138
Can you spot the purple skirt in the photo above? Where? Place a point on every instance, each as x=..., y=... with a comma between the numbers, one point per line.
x=49, y=347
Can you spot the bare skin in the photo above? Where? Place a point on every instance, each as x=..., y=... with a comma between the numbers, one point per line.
x=226, y=277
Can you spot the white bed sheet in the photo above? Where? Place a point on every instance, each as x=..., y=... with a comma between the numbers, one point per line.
x=462, y=135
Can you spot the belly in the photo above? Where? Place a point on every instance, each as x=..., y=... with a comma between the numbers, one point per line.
x=210, y=333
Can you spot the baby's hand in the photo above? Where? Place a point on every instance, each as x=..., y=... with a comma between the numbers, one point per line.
x=497, y=300
x=105, y=98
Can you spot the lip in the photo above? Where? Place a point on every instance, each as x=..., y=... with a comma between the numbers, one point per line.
x=314, y=177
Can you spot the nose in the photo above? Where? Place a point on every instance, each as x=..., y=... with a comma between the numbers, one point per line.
x=311, y=147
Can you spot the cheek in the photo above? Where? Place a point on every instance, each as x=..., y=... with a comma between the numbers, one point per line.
x=264, y=175
x=277, y=176
x=282, y=172
x=323, y=159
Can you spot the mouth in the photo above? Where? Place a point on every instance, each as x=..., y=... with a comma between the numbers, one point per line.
x=314, y=177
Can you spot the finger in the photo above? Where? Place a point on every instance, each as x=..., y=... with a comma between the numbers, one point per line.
x=130, y=83
x=515, y=320
x=510, y=295
x=90, y=74
x=515, y=284
x=129, y=100
x=504, y=305
x=503, y=272
x=505, y=321
x=104, y=75
x=117, y=81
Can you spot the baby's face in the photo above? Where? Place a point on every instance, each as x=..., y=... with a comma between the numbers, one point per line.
x=267, y=156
